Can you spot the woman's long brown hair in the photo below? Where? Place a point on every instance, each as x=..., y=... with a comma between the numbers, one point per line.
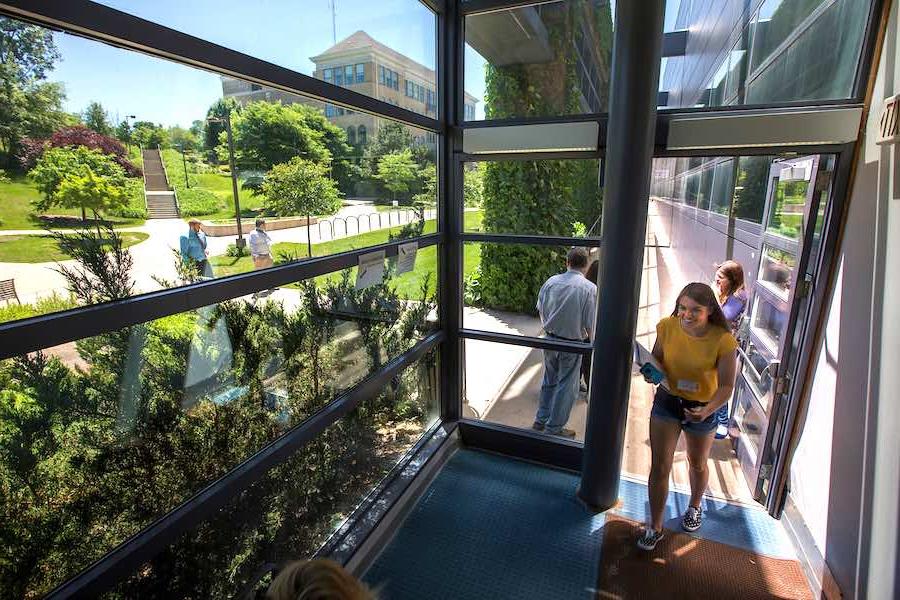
x=702, y=294
x=734, y=273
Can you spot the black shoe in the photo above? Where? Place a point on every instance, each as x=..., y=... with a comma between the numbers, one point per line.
x=537, y=426
x=650, y=539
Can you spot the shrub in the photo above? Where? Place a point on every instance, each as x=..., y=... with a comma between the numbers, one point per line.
x=49, y=304
x=196, y=202
x=78, y=135
x=137, y=205
x=235, y=252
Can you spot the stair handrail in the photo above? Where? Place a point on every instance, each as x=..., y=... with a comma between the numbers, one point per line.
x=144, y=175
x=168, y=185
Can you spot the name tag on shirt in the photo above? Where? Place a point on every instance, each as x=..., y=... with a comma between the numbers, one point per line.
x=686, y=385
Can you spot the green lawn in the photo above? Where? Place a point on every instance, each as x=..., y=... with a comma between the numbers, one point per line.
x=42, y=248
x=408, y=284
x=16, y=211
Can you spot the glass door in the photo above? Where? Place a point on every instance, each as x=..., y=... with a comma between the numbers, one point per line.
x=794, y=214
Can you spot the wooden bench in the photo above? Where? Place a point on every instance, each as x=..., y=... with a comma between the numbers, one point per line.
x=8, y=291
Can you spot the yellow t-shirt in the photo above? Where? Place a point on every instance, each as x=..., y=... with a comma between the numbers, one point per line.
x=690, y=362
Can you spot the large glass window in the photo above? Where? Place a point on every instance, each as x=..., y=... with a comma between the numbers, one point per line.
x=537, y=197
x=300, y=37
x=545, y=59
x=104, y=435
x=290, y=512
x=163, y=155
x=785, y=51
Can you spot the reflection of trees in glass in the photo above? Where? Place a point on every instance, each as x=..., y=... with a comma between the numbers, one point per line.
x=750, y=188
x=101, y=439
x=787, y=214
x=540, y=197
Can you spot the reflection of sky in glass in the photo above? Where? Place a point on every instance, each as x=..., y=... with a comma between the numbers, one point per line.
x=283, y=32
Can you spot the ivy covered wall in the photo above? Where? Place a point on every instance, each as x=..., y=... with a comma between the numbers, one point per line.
x=545, y=197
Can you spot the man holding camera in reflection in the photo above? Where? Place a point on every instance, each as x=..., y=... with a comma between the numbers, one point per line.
x=566, y=303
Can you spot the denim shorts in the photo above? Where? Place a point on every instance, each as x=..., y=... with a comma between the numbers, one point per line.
x=669, y=407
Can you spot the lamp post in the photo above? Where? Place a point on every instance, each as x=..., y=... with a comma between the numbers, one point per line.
x=240, y=242
x=128, y=125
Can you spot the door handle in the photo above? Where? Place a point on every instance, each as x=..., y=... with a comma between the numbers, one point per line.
x=771, y=368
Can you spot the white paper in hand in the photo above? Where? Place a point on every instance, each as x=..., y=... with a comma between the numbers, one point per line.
x=370, y=270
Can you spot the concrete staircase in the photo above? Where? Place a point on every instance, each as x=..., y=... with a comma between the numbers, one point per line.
x=161, y=202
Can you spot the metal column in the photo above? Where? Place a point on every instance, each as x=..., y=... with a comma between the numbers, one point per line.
x=637, y=54
x=450, y=46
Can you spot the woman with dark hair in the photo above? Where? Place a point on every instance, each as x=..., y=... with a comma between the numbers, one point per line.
x=697, y=352
x=733, y=300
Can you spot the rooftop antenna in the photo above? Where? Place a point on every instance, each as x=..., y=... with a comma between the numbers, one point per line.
x=333, y=27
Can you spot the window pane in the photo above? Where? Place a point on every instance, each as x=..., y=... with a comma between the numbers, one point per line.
x=503, y=385
x=300, y=36
x=542, y=60
x=290, y=512
x=502, y=282
x=183, y=172
x=787, y=50
x=750, y=188
x=104, y=435
x=536, y=197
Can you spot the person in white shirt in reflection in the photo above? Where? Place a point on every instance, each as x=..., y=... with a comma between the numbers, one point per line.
x=261, y=249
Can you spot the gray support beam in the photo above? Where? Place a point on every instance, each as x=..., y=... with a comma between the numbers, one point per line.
x=450, y=89
x=629, y=150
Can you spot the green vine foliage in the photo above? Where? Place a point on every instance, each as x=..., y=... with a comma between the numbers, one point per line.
x=546, y=197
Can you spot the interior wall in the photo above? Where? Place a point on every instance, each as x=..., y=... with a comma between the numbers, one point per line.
x=851, y=508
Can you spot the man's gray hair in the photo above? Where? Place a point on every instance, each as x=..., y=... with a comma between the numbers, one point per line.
x=577, y=258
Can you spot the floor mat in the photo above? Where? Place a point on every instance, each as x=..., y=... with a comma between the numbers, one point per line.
x=683, y=566
x=492, y=527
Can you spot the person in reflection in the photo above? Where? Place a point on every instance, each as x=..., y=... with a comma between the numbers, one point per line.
x=566, y=305
x=697, y=352
x=592, y=276
x=261, y=246
x=316, y=579
x=733, y=300
x=193, y=249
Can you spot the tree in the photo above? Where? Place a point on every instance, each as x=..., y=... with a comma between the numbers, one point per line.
x=29, y=107
x=95, y=118
x=78, y=177
x=149, y=135
x=183, y=138
x=270, y=133
x=397, y=171
x=301, y=187
x=123, y=132
x=213, y=129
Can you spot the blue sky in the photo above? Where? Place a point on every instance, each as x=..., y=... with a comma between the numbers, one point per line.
x=285, y=32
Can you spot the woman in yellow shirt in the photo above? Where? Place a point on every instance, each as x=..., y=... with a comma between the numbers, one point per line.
x=697, y=351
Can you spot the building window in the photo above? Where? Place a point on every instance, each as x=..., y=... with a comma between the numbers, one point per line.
x=351, y=135
x=380, y=74
x=362, y=135
x=338, y=76
x=255, y=87
x=469, y=112
x=329, y=111
x=348, y=75
x=389, y=78
x=360, y=73
x=326, y=75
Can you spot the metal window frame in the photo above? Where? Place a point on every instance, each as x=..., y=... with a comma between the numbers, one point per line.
x=37, y=333
x=128, y=556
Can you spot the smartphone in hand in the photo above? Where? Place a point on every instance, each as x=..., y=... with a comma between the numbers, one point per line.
x=651, y=373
